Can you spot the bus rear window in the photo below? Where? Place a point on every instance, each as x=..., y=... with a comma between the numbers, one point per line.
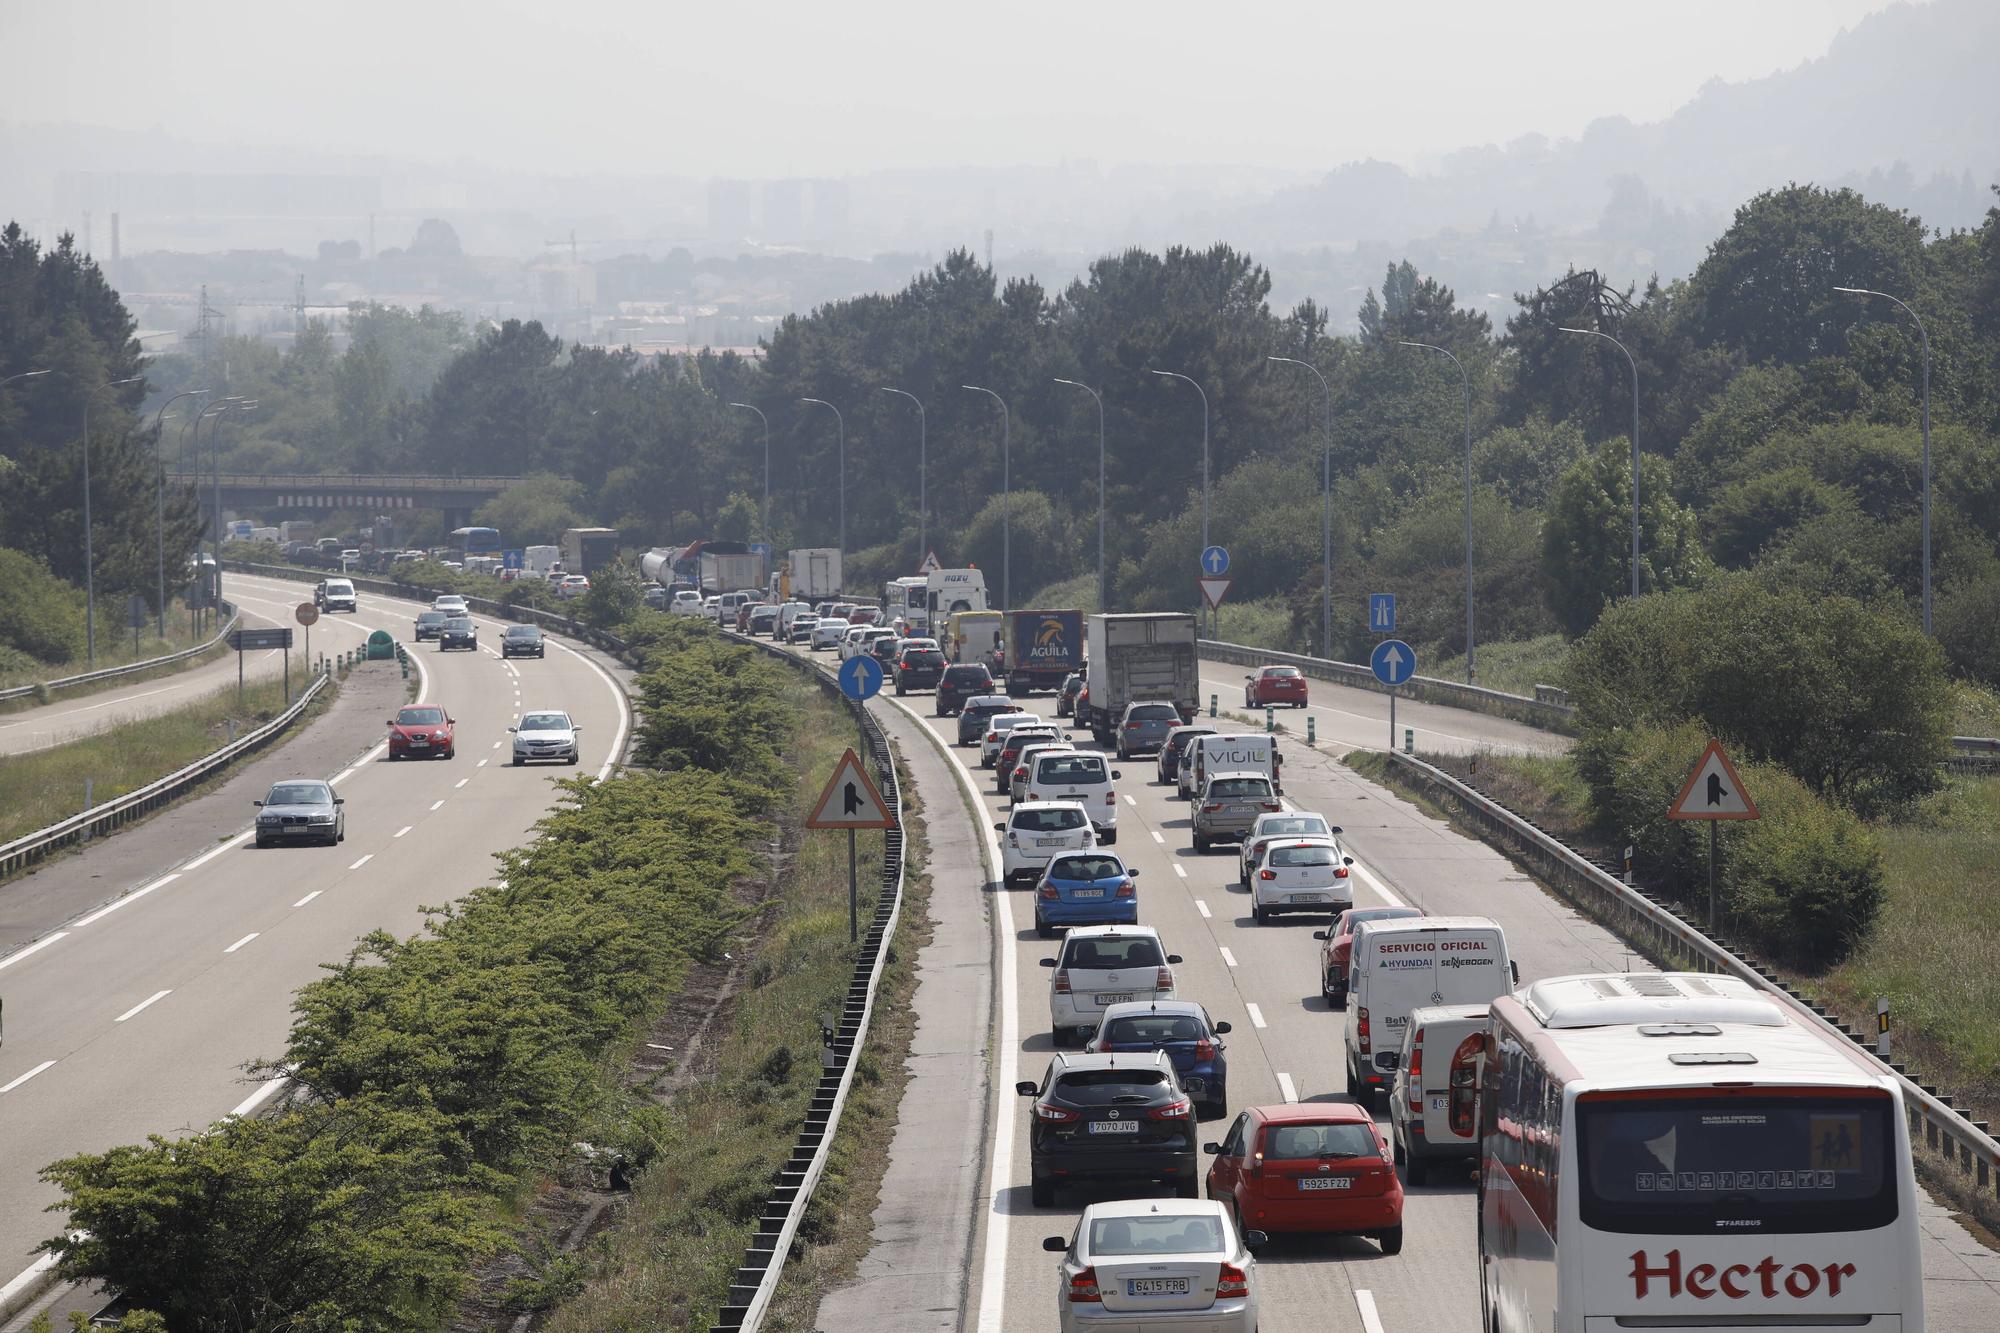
x=1718, y=1165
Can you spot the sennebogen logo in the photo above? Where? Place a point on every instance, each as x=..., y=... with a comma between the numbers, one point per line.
x=1051, y=638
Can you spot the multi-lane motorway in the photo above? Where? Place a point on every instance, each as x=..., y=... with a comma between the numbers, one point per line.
x=137, y=1016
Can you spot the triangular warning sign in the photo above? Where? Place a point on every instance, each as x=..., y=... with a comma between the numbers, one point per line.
x=1714, y=791
x=930, y=565
x=850, y=800
x=1213, y=591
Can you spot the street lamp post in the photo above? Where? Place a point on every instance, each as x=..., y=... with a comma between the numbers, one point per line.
x=1176, y=375
x=233, y=403
x=1326, y=510
x=160, y=501
x=841, y=423
x=1471, y=634
x=1593, y=333
x=767, y=464
x=1103, y=589
x=1006, y=496
x=923, y=465
x=1926, y=337
x=89, y=565
x=24, y=375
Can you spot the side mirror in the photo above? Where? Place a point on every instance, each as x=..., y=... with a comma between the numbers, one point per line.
x=1514, y=968
x=256, y=803
x=999, y=825
x=1132, y=873
x=1173, y=958
x=1255, y=1239
x=1222, y=1028
x=1025, y=1087
x=513, y=728
x=1055, y=1245
x=1338, y=830
x=1116, y=775
x=450, y=720
x=1320, y=934
x=1048, y=962
x=576, y=728
x=1249, y=678
x=1347, y=860
x=1212, y=1149
x=340, y=800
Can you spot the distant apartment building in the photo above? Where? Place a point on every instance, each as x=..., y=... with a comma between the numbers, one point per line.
x=784, y=220
x=730, y=210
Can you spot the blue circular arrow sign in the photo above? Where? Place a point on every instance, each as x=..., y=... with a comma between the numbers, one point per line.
x=1215, y=561
x=1393, y=661
x=860, y=677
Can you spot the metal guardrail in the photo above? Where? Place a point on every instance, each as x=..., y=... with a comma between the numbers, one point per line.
x=101, y=819
x=1677, y=943
x=130, y=668
x=756, y=1280
x=1548, y=708
x=1980, y=754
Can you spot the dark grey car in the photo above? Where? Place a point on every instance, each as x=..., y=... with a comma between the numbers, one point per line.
x=1144, y=728
x=300, y=810
x=458, y=632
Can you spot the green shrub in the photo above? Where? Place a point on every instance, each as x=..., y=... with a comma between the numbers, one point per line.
x=40, y=614
x=1968, y=628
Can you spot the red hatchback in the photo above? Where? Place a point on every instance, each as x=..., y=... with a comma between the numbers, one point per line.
x=422, y=731
x=1309, y=1166
x=1337, y=946
x=1275, y=685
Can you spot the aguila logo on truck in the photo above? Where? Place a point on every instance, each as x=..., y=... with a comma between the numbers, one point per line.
x=1736, y=1281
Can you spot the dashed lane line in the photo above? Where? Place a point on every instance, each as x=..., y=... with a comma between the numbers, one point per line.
x=39, y=945
x=309, y=897
x=1291, y=1094
x=245, y=940
x=143, y=1005
x=40, y=1068
x=1228, y=958
x=1202, y=907
x=1256, y=1015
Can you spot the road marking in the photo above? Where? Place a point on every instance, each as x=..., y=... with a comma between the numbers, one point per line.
x=1371, y=1319
x=1256, y=1015
x=1202, y=907
x=460, y=783
x=405, y=829
x=309, y=897
x=436, y=804
x=1291, y=1094
x=482, y=763
x=1158, y=837
x=1228, y=958
x=214, y=852
x=1388, y=895
x=152, y=999
x=362, y=862
x=240, y=943
x=1129, y=801
x=39, y=945
x=1180, y=870
x=109, y=908
x=341, y=776
x=259, y=1097
x=26, y=1278
x=9, y=1087
x=496, y=744
x=624, y=715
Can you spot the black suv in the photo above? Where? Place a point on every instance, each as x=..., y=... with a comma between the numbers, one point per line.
x=961, y=682
x=973, y=714
x=1179, y=741
x=523, y=641
x=918, y=669
x=1111, y=1117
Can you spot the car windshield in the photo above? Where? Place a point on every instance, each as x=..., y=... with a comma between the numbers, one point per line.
x=1113, y=1236
x=299, y=793
x=339, y=585
x=1086, y=867
x=523, y=632
x=430, y=618
x=1302, y=856
x=1147, y=1029
x=1048, y=821
x=1113, y=952
x=965, y=675
x=458, y=623
x=545, y=722
x=1154, y=713
x=1239, y=787
x=1339, y=1138
x=1071, y=768
x=1293, y=824
x=420, y=717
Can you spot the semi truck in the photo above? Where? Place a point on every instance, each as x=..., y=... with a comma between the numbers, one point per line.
x=813, y=573
x=973, y=637
x=1139, y=658
x=724, y=570
x=1039, y=648
x=586, y=550
x=296, y=530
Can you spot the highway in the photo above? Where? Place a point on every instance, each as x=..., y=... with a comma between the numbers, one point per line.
x=136, y=1016
x=1286, y=1044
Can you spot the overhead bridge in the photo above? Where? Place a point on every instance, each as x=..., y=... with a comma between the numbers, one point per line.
x=306, y=493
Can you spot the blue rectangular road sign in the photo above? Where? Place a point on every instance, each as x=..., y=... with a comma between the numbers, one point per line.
x=516, y=558
x=1382, y=612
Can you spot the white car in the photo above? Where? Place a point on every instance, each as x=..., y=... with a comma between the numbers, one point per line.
x=1024, y=761
x=1301, y=875
x=997, y=728
x=451, y=604
x=861, y=640
x=545, y=735
x=802, y=627
x=1157, y=1263
x=829, y=632
x=1078, y=776
x=687, y=602
x=852, y=640
x=1099, y=966
x=1292, y=824
x=1032, y=834
x=572, y=585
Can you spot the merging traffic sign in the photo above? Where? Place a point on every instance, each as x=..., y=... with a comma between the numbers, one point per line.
x=1713, y=790
x=1213, y=590
x=860, y=677
x=851, y=800
x=1393, y=661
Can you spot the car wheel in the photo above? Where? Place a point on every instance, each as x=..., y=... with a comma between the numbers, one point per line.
x=1338, y=998
x=1218, y=1108
x=1391, y=1240
x=518, y=761
x=572, y=759
x=1042, y=928
x=1108, y=838
x=1259, y=915
x=1417, y=1170
x=451, y=751
x=263, y=843
x=1354, y=1089
x=1188, y=1187
x=1200, y=845
x=1042, y=1192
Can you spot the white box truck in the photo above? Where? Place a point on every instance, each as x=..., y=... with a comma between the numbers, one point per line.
x=1143, y=656
x=1402, y=965
x=539, y=560
x=815, y=573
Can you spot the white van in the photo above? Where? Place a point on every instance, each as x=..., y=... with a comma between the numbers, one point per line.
x=787, y=613
x=1402, y=965
x=1434, y=1102
x=1077, y=776
x=1230, y=754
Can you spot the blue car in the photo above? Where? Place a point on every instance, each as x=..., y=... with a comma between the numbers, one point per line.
x=1088, y=888
x=1182, y=1029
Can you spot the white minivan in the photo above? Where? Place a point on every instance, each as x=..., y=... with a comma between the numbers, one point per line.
x=1401, y=965
x=1228, y=754
x=1434, y=1102
x=1078, y=776
x=1033, y=833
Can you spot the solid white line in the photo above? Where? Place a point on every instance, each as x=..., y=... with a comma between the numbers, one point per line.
x=154, y=998
x=1388, y=895
x=25, y=1278
x=214, y=852
x=46, y=1064
x=362, y=862
x=624, y=712
x=1291, y=1093
x=405, y=829
x=1228, y=958
x=1371, y=1319
x=39, y=945
x=1256, y=1015
x=309, y=897
x=262, y=1095
x=436, y=804
x=1202, y=907
x=109, y=908
x=240, y=943
x=460, y=783
x=1158, y=837
x=340, y=777
x=1180, y=870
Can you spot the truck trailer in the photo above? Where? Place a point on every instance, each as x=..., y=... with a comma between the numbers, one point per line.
x=814, y=573
x=1138, y=658
x=586, y=550
x=1038, y=649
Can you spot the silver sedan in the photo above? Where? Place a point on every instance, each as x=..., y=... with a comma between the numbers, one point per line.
x=1157, y=1263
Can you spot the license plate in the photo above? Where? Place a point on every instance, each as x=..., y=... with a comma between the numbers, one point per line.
x=1308, y=898
x=1051, y=842
x=1086, y=893
x=1121, y=997
x=1114, y=1127
x=1156, y=1286
x=1440, y=1103
x=1326, y=1182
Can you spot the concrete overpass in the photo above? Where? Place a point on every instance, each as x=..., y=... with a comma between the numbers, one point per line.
x=302, y=495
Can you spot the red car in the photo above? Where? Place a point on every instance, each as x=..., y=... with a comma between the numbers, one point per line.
x=422, y=731
x=1309, y=1166
x=865, y=615
x=1275, y=685
x=1338, y=946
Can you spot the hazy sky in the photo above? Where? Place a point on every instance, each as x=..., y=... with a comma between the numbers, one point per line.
x=778, y=87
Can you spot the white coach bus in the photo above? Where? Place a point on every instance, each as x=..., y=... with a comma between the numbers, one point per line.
x=1670, y=1151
